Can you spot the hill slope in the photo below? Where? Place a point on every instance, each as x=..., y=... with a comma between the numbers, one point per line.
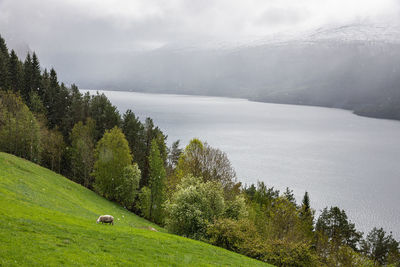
x=45, y=219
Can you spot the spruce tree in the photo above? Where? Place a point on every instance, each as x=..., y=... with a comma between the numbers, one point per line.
x=35, y=72
x=26, y=91
x=334, y=224
x=62, y=109
x=15, y=72
x=77, y=110
x=50, y=95
x=4, y=58
x=306, y=215
x=306, y=202
x=104, y=113
x=134, y=132
x=3, y=46
x=151, y=132
x=289, y=195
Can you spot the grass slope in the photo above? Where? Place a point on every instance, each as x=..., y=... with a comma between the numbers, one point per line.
x=45, y=219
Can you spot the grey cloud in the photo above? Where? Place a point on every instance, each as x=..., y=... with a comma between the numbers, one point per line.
x=88, y=40
x=283, y=16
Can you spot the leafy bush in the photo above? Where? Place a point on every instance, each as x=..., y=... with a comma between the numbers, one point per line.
x=236, y=208
x=242, y=237
x=193, y=206
x=284, y=253
x=144, y=202
x=239, y=236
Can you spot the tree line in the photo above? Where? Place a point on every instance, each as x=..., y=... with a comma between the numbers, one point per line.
x=192, y=192
x=81, y=136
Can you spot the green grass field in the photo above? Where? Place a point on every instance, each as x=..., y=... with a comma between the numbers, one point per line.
x=45, y=219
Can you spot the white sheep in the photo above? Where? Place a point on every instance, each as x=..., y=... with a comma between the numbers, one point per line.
x=106, y=219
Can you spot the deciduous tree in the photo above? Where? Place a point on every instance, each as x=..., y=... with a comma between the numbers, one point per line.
x=82, y=152
x=112, y=155
x=19, y=129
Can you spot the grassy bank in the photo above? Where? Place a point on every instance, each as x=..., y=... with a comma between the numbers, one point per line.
x=45, y=219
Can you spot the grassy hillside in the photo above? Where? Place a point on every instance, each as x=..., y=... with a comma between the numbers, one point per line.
x=45, y=219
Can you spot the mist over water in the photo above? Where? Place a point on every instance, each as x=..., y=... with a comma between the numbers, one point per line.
x=340, y=158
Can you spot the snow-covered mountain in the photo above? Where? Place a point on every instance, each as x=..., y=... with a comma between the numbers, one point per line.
x=347, y=66
x=356, y=32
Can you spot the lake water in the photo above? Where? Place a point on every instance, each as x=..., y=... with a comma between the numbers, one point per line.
x=341, y=159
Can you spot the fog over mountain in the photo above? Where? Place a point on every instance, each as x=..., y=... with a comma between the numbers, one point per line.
x=330, y=53
x=353, y=66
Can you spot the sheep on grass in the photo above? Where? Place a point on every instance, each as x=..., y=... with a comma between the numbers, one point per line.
x=106, y=219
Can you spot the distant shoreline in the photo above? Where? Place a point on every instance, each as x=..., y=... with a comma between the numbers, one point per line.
x=355, y=112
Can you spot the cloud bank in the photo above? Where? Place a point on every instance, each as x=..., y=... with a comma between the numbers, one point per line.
x=73, y=34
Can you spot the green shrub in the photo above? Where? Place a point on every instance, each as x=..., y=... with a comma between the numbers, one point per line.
x=284, y=253
x=126, y=192
x=239, y=236
x=236, y=209
x=193, y=206
x=144, y=202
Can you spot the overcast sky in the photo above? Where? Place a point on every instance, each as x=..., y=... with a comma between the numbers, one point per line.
x=59, y=29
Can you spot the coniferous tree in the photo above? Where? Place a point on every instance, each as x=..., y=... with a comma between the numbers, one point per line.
x=15, y=73
x=134, y=133
x=104, y=114
x=26, y=90
x=288, y=194
x=79, y=110
x=3, y=46
x=36, y=74
x=174, y=152
x=4, y=58
x=44, y=87
x=306, y=202
x=333, y=223
x=62, y=109
x=307, y=216
x=157, y=183
x=51, y=99
x=381, y=248
x=151, y=132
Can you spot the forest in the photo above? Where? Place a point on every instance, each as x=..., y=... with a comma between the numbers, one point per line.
x=192, y=191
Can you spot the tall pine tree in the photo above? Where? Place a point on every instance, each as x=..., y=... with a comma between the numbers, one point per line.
x=4, y=58
x=151, y=132
x=35, y=72
x=15, y=72
x=26, y=90
x=134, y=132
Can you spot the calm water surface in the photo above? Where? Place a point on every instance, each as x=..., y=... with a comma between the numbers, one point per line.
x=341, y=159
